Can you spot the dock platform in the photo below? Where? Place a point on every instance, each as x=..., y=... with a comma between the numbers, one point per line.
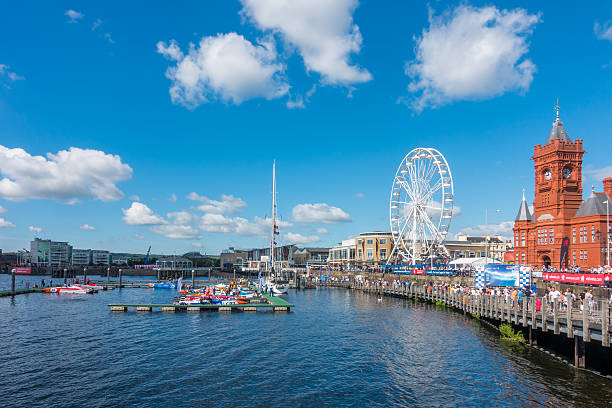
x=275, y=304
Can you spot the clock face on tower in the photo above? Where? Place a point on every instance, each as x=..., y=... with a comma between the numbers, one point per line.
x=547, y=174
x=567, y=172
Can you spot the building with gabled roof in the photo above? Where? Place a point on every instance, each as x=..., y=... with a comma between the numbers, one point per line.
x=562, y=230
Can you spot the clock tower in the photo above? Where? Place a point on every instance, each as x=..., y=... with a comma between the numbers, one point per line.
x=558, y=175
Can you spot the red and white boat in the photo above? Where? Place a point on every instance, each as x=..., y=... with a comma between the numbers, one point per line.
x=68, y=290
x=91, y=286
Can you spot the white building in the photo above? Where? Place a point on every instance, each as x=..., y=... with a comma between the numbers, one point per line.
x=81, y=257
x=100, y=257
x=44, y=252
x=343, y=254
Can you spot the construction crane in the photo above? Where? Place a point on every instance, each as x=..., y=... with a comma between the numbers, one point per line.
x=146, y=260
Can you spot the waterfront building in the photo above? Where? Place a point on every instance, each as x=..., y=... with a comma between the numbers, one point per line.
x=373, y=248
x=343, y=254
x=465, y=246
x=99, y=257
x=230, y=258
x=45, y=252
x=81, y=257
x=311, y=256
x=562, y=230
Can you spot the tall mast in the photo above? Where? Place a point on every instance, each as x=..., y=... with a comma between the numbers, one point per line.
x=273, y=217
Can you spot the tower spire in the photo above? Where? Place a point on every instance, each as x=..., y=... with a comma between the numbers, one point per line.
x=557, y=109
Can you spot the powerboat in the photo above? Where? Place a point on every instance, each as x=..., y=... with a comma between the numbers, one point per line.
x=68, y=290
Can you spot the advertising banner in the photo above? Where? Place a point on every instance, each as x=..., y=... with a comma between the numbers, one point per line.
x=438, y=270
x=23, y=270
x=502, y=275
x=586, y=278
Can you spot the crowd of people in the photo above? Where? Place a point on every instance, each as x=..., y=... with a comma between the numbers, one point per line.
x=512, y=295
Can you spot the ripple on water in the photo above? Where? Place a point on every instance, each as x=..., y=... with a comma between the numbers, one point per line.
x=338, y=348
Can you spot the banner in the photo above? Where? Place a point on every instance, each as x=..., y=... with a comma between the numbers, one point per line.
x=438, y=270
x=564, y=248
x=502, y=275
x=23, y=270
x=584, y=278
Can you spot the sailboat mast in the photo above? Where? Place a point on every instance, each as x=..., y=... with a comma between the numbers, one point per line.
x=273, y=216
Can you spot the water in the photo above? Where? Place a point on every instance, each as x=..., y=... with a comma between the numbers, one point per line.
x=337, y=348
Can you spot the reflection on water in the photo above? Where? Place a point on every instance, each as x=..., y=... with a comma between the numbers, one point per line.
x=338, y=348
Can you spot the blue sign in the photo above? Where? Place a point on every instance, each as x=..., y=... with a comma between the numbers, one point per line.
x=502, y=275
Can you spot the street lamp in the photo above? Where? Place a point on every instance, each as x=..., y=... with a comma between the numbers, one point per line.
x=107, y=277
x=85, y=274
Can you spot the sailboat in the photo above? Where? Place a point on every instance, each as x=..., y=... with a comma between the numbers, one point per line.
x=277, y=287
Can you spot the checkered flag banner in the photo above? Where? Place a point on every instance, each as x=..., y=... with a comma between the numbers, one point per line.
x=524, y=276
x=479, y=277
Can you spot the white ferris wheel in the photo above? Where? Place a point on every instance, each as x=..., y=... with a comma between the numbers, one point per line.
x=421, y=206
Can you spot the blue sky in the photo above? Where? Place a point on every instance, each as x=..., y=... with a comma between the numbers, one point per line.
x=336, y=93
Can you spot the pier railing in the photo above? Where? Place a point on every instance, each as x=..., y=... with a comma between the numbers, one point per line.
x=582, y=321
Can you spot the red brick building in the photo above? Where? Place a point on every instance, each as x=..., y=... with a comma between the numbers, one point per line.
x=559, y=211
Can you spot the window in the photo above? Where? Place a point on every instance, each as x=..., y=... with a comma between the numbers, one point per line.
x=383, y=253
x=586, y=255
x=574, y=239
x=523, y=238
x=574, y=256
x=523, y=258
x=370, y=253
x=592, y=233
x=359, y=253
x=516, y=239
x=369, y=241
x=551, y=239
x=383, y=241
x=360, y=241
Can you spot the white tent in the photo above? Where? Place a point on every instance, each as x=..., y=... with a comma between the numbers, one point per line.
x=474, y=262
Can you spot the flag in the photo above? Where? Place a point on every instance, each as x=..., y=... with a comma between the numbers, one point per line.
x=259, y=276
x=328, y=272
x=179, y=284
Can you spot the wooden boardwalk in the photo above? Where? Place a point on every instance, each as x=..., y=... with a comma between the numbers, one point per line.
x=273, y=303
x=572, y=322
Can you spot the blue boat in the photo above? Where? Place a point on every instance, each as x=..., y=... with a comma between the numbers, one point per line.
x=166, y=285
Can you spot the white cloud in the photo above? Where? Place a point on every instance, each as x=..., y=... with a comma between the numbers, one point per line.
x=4, y=70
x=140, y=214
x=2, y=209
x=175, y=231
x=109, y=38
x=323, y=32
x=182, y=217
x=87, y=227
x=96, y=24
x=503, y=228
x=598, y=174
x=6, y=224
x=457, y=211
x=319, y=213
x=69, y=174
x=603, y=32
x=472, y=53
x=134, y=197
x=173, y=198
x=301, y=239
x=297, y=103
x=359, y=195
x=138, y=236
x=259, y=227
x=228, y=204
x=196, y=245
x=322, y=231
x=226, y=67
x=35, y=229
x=73, y=16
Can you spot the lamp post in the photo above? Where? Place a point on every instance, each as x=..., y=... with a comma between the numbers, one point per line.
x=120, y=278
x=107, y=277
x=65, y=271
x=85, y=274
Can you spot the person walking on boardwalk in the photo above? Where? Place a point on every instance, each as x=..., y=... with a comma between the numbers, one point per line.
x=588, y=297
